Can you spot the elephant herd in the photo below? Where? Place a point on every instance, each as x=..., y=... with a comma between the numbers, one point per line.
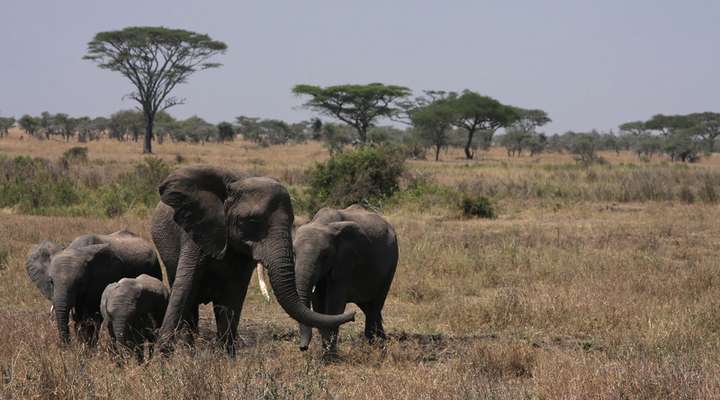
x=211, y=228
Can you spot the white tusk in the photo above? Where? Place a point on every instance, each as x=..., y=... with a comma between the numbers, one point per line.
x=261, y=281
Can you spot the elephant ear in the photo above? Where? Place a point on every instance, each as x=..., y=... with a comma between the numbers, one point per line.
x=349, y=237
x=197, y=195
x=38, y=263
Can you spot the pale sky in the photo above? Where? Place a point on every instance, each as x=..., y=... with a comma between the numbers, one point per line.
x=589, y=64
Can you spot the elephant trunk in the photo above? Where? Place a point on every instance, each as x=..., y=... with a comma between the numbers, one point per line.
x=62, y=313
x=306, y=279
x=281, y=269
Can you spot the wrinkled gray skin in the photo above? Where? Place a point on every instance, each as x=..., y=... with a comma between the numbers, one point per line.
x=347, y=256
x=211, y=228
x=133, y=309
x=74, y=278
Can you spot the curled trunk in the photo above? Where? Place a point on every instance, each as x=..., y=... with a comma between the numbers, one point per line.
x=281, y=269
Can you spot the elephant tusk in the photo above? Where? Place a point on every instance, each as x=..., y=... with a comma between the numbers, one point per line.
x=261, y=281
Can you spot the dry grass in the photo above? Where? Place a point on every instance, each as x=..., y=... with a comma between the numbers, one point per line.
x=590, y=300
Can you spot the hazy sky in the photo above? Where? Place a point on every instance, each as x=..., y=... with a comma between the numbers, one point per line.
x=589, y=64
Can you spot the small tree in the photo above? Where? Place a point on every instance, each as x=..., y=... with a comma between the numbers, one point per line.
x=196, y=130
x=5, y=124
x=706, y=126
x=126, y=122
x=155, y=60
x=359, y=106
x=226, y=132
x=433, y=123
x=29, y=124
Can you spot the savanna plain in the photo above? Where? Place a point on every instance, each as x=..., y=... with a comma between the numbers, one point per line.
x=593, y=282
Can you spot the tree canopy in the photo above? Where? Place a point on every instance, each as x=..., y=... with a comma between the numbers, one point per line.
x=359, y=106
x=475, y=112
x=155, y=60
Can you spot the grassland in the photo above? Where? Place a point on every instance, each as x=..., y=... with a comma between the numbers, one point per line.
x=597, y=283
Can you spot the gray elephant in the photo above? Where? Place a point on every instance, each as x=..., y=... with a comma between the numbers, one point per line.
x=74, y=278
x=347, y=256
x=211, y=228
x=133, y=309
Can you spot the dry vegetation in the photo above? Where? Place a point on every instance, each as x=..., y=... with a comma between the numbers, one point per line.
x=606, y=289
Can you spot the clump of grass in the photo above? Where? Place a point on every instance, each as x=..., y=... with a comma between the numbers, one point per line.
x=478, y=206
x=75, y=154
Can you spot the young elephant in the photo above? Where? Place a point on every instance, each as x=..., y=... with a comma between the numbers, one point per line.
x=74, y=278
x=348, y=256
x=133, y=310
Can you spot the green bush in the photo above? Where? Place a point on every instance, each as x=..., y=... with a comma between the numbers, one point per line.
x=478, y=206
x=367, y=175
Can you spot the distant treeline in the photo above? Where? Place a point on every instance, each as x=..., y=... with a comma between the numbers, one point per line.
x=428, y=125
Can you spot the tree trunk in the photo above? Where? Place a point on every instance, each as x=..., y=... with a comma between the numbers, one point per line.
x=147, y=147
x=468, y=152
x=437, y=153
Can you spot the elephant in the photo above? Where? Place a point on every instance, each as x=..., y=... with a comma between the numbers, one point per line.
x=132, y=310
x=74, y=278
x=211, y=227
x=346, y=256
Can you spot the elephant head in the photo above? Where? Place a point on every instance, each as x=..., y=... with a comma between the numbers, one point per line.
x=38, y=265
x=253, y=216
x=62, y=276
x=325, y=252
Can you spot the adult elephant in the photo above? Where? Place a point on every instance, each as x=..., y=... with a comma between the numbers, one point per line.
x=74, y=278
x=211, y=227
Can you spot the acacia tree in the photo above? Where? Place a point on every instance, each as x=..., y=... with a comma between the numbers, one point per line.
x=706, y=125
x=5, y=124
x=433, y=123
x=636, y=128
x=477, y=113
x=29, y=124
x=155, y=60
x=359, y=106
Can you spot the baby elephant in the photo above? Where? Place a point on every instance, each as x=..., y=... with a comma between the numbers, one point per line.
x=133, y=310
x=347, y=256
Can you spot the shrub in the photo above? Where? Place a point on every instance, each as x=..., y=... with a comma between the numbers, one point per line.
x=477, y=206
x=366, y=175
x=75, y=154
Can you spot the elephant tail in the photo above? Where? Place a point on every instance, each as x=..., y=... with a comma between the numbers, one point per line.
x=261, y=281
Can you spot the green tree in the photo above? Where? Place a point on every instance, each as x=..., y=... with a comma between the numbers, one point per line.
x=359, y=106
x=155, y=60
x=5, y=124
x=706, y=126
x=29, y=124
x=126, y=122
x=196, y=130
x=433, y=123
x=477, y=113
x=226, y=131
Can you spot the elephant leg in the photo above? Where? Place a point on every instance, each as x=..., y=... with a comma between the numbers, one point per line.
x=227, y=319
x=228, y=306
x=190, y=325
x=373, y=321
x=334, y=304
x=182, y=298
